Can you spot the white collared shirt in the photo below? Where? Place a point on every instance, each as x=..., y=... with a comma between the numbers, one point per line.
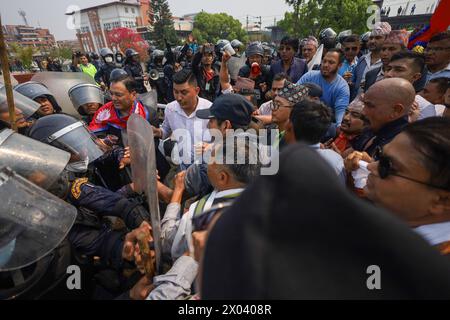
x=175, y=119
x=436, y=233
x=369, y=66
x=426, y=108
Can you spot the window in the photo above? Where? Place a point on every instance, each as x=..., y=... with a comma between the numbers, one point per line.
x=132, y=10
x=126, y=9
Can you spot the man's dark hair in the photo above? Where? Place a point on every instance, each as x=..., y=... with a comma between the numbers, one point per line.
x=310, y=120
x=84, y=55
x=442, y=84
x=234, y=126
x=128, y=82
x=315, y=91
x=246, y=164
x=440, y=36
x=292, y=42
x=417, y=59
x=431, y=137
x=184, y=76
x=281, y=76
x=351, y=38
x=339, y=52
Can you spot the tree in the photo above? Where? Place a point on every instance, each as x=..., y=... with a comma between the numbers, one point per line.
x=23, y=54
x=310, y=17
x=213, y=27
x=162, y=21
x=64, y=53
x=125, y=38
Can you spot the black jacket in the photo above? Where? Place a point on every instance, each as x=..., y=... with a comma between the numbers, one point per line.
x=209, y=90
x=134, y=69
x=371, y=78
x=299, y=235
x=104, y=72
x=385, y=135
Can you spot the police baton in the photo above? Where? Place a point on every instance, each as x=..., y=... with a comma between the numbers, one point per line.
x=7, y=77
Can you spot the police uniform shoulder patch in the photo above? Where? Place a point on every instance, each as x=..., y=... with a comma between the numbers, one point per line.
x=76, y=187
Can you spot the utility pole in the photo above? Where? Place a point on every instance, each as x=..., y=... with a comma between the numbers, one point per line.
x=247, y=24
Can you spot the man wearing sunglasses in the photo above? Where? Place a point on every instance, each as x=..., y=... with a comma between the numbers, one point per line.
x=412, y=179
x=351, y=47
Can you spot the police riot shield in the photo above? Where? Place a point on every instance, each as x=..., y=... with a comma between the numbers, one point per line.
x=24, y=104
x=38, y=162
x=149, y=99
x=234, y=65
x=143, y=168
x=85, y=93
x=59, y=84
x=33, y=222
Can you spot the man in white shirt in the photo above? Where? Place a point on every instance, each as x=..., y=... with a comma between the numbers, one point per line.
x=180, y=119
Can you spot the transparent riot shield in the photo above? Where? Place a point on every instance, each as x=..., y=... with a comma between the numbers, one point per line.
x=33, y=222
x=38, y=162
x=59, y=84
x=143, y=168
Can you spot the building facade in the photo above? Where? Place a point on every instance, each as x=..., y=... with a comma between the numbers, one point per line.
x=25, y=36
x=96, y=22
x=413, y=14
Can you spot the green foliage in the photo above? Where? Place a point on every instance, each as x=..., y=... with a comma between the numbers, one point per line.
x=23, y=54
x=63, y=53
x=310, y=17
x=162, y=23
x=213, y=27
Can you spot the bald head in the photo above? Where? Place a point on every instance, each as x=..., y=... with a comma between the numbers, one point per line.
x=387, y=101
x=395, y=91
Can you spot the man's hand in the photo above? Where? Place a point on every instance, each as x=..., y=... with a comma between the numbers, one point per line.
x=199, y=242
x=142, y=289
x=352, y=161
x=126, y=159
x=225, y=57
x=130, y=243
x=178, y=181
x=157, y=132
x=414, y=112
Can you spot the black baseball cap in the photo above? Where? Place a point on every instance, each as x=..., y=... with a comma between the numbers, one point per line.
x=232, y=107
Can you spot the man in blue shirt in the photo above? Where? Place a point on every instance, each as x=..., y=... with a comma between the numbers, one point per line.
x=351, y=47
x=336, y=92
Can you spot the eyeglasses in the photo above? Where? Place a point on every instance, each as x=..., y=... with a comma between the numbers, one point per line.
x=429, y=49
x=385, y=170
x=202, y=221
x=275, y=106
x=350, y=48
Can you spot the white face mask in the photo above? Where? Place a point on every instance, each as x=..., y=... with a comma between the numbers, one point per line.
x=109, y=59
x=78, y=166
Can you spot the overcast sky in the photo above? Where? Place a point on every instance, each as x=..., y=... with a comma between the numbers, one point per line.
x=50, y=13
